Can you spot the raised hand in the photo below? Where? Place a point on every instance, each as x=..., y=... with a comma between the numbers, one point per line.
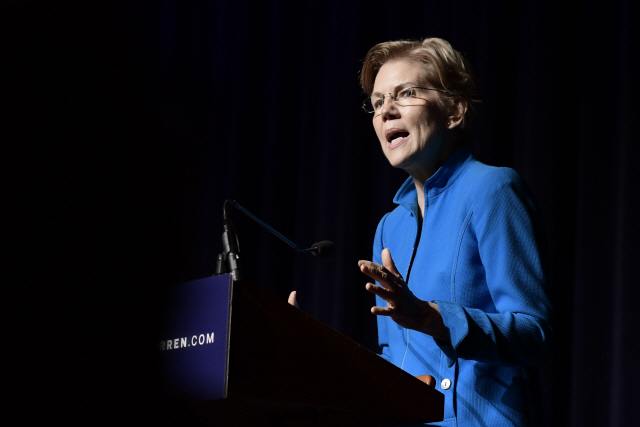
x=403, y=306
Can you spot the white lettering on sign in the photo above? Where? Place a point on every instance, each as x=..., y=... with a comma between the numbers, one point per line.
x=184, y=342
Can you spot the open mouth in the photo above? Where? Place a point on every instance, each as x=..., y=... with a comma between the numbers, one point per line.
x=396, y=137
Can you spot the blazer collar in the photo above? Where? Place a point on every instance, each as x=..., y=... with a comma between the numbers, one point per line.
x=444, y=177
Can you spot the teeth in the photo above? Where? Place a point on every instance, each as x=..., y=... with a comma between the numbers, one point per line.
x=396, y=139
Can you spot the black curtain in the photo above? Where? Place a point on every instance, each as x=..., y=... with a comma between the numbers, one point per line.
x=127, y=125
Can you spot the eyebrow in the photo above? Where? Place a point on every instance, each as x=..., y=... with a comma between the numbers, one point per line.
x=401, y=85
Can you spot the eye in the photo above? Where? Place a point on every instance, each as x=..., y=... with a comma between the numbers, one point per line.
x=377, y=103
x=406, y=93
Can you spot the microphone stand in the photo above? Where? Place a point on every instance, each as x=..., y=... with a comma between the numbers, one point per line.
x=229, y=260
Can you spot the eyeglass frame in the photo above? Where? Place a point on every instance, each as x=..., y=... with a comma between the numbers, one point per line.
x=364, y=103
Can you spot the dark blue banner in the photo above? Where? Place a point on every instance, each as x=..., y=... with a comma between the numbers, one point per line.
x=194, y=340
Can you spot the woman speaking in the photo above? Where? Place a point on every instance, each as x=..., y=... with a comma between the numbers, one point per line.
x=460, y=286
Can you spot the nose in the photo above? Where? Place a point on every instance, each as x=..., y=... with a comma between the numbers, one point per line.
x=389, y=108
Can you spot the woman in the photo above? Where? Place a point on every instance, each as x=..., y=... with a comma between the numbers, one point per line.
x=460, y=288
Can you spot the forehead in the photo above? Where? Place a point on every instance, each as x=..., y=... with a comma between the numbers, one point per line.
x=396, y=73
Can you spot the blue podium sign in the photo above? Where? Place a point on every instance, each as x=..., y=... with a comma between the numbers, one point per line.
x=194, y=346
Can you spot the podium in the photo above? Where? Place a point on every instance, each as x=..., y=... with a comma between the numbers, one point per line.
x=241, y=356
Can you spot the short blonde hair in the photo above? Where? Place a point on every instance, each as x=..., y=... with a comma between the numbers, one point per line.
x=443, y=67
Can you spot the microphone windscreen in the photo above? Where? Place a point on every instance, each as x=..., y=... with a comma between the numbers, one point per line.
x=323, y=249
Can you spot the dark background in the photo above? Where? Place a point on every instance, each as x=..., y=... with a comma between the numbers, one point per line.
x=127, y=124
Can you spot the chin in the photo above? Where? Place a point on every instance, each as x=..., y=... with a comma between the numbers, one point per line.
x=399, y=161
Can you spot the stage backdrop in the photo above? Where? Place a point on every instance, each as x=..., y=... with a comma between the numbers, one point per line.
x=131, y=122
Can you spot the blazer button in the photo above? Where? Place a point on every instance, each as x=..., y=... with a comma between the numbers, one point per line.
x=445, y=384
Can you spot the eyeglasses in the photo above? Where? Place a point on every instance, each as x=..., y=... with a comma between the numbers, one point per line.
x=374, y=103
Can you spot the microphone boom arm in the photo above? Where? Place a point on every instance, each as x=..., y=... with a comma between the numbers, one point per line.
x=237, y=205
x=229, y=260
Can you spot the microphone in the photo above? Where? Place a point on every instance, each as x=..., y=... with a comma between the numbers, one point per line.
x=231, y=253
x=322, y=249
x=229, y=260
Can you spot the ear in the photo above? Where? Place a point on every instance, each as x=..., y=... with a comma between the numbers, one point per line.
x=457, y=112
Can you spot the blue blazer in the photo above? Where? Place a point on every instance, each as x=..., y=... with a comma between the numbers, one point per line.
x=477, y=257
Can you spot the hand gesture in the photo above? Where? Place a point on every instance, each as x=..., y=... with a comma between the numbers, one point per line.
x=403, y=306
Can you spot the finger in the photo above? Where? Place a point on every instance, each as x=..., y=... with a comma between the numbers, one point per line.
x=371, y=265
x=386, y=295
x=387, y=261
x=380, y=274
x=427, y=379
x=293, y=300
x=382, y=311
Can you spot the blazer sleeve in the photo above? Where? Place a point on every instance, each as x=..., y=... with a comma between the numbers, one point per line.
x=509, y=245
